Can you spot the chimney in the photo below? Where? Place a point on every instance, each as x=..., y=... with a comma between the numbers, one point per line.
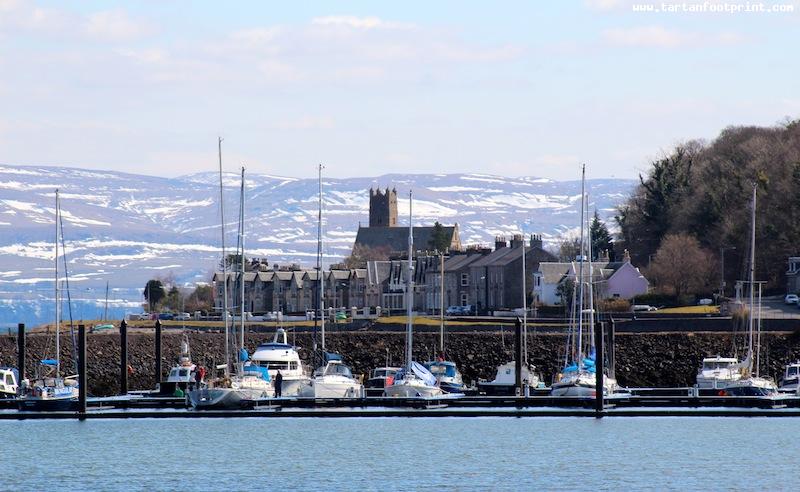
x=626, y=256
x=500, y=242
x=604, y=256
x=516, y=240
x=536, y=241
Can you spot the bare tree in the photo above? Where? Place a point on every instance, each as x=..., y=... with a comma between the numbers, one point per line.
x=680, y=266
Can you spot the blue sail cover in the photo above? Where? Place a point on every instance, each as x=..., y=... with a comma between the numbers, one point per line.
x=422, y=373
x=329, y=356
x=243, y=355
x=49, y=362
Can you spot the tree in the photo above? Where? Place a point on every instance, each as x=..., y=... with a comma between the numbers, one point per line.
x=232, y=261
x=439, y=240
x=568, y=248
x=361, y=254
x=601, y=239
x=174, y=299
x=154, y=292
x=564, y=291
x=681, y=266
x=202, y=299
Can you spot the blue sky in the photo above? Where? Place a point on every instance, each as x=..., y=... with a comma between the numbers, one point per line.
x=510, y=88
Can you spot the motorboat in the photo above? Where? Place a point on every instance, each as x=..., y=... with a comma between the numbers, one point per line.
x=182, y=375
x=504, y=382
x=416, y=383
x=279, y=355
x=9, y=383
x=379, y=378
x=334, y=380
x=717, y=373
x=447, y=375
x=791, y=377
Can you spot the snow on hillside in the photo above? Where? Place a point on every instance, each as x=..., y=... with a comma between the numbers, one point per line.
x=124, y=228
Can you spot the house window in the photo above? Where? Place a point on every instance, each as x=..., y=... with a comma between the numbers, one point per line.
x=464, y=279
x=464, y=299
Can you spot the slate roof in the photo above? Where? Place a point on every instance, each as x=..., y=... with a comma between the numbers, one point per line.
x=396, y=238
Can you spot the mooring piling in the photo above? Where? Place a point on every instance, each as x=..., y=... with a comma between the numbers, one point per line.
x=123, y=356
x=21, y=350
x=518, y=356
x=599, y=368
x=158, y=351
x=82, y=379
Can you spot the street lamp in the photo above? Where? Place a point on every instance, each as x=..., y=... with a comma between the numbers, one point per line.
x=722, y=251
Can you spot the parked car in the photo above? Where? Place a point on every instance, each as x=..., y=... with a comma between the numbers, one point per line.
x=183, y=317
x=791, y=299
x=453, y=311
x=166, y=316
x=705, y=302
x=638, y=308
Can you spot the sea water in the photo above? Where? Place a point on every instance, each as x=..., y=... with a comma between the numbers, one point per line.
x=402, y=454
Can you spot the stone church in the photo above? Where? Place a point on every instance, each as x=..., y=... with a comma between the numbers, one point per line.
x=383, y=231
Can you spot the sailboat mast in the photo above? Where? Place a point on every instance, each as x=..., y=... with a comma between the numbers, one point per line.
x=105, y=310
x=241, y=262
x=319, y=264
x=409, y=286
x=580, y=270
x=524, y=305
x=224, y=260
x=589, y=285
x=58, y=300
x=752, y=277
x=441, y=302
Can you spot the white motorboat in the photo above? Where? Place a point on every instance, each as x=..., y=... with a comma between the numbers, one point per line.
x=9, y=382
x=181, y=375
x=717, y=373
x=334, y=380
x=379, y=378
x=791, y=378
x=447, y=375
x=279, y=355
x=504, y=382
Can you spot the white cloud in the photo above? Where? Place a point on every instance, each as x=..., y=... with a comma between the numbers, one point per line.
x=354, y=22
x=661, y=37
x=115, y=25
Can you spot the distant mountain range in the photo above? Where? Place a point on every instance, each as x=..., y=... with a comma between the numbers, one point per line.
x=125, y=228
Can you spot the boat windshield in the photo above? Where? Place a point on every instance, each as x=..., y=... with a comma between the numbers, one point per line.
x=275, y=365
x=382, y=373
x=440, y=369
x=338, y=370
x=716, y=365
x=792, y=371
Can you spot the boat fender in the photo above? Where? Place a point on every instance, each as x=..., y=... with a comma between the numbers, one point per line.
x=721, y=393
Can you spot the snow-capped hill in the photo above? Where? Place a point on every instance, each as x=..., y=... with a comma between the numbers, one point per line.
x=124, y=228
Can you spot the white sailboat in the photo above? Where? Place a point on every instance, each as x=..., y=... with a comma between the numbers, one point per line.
x=333, y=379
x=50, y=391
x=751, y=383
x=579, y=376
x=413, y=381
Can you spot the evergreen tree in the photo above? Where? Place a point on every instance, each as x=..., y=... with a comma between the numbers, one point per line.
x=439, y=240
x=601, y=239
x=154, y=292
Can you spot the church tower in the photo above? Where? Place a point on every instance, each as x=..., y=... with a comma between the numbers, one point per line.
x=382, y=208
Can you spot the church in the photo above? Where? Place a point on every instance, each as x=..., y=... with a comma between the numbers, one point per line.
x=384, y=233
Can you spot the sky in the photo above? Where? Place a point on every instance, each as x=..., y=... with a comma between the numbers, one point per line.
x=367, y=88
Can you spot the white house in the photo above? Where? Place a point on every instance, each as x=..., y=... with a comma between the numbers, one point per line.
x=618, y=279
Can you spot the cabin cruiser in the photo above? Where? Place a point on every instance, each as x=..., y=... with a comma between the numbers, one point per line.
x=280, y=355
x=717, y=373
x=48, y=393
x=791, y=376
x=9, y=383
x=504, y=382
x=417, y=382
x=334, y=380
x=575, y=381
x=448, y=378
x=251, y=383
x=181, y=375
x=379, y=379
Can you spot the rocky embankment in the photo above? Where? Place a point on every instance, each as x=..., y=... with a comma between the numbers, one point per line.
x=645, y=360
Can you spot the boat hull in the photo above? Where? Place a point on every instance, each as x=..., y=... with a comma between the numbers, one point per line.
x=751, y=387
x=404, y=390
x=67, y=404
x=223, y=398
x=333, y=390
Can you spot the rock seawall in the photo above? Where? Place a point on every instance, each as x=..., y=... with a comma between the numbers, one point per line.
x=644, y=360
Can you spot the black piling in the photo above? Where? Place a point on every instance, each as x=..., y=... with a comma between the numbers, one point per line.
x=599, y=366
x=123, y=358
x=518, y=356
x=82, y=372
x=158, y=351
x=21, y=350
x=610, y=349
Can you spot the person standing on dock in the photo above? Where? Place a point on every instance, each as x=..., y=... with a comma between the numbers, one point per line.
x=278, y=384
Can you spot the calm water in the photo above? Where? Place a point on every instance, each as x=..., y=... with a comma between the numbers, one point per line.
x=403, y=454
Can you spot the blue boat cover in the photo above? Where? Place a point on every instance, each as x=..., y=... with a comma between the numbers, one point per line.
x=329, y=356
x=243, y=355
x=261, y=371
x=50, y=362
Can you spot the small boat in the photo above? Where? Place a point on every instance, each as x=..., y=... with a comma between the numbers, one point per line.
x=233, y=393
x=717, y=373
x=791, y=378
x=448, y=378
x=9, y=383
x=574, y=381
x=182, y=375
x=334, y=380
x=504, y=382
x=279, y=355
x=379, y=378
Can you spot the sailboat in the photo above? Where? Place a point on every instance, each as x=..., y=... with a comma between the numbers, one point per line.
x=579, y=376
x=413, y=381
x=333, y=379
x=504, y=382
x=250, y=381
x=50, y=391
x=751, y=383
x=448, y=377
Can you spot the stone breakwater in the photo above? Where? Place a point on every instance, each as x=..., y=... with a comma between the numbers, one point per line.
x=643, y=360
